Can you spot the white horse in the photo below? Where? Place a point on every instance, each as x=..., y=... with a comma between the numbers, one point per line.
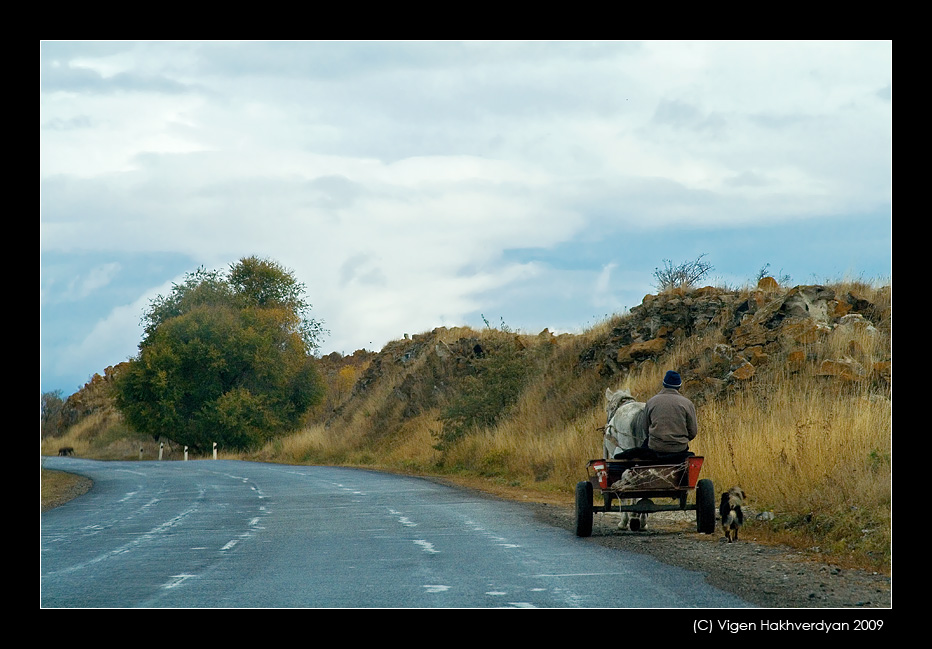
x=623, y=431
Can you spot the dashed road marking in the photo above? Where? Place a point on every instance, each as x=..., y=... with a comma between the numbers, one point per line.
x=427, y=546
x=177, y=580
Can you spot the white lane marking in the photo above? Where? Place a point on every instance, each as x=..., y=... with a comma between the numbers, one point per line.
x=580, y=574
x=352, y=490
x=499, y=593
x=404, y=520
x=435, y=588
x=230, y=545
x=141, y=539
x=244, y=480
x=427, y=546
x=500, y=540
x=177, y=580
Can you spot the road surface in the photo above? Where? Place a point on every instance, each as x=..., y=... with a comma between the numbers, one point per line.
x=224, y=533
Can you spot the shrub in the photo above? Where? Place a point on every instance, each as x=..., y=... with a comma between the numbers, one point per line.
x=682, y=276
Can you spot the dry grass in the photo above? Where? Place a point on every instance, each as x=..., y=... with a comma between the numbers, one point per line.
x=57, y=487
x=820, y=460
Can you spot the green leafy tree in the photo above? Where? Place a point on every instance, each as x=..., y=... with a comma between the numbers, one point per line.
x=486, y=396
x=224, y=359
x=264, y=284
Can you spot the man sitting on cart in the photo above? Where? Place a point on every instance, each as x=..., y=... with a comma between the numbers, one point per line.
x=671, y=424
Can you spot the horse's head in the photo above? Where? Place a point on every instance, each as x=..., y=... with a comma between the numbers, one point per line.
x=613, y=399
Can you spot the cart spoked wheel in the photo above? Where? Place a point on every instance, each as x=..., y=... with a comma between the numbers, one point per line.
x=705, y=507
x=584, y=508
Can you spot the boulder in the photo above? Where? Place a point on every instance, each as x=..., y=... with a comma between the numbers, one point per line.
x=756, y=355
x=795, y=360
x=845, y=369
x=641, y=350
x=743, y=372
x=806, y=332
x=767, y=284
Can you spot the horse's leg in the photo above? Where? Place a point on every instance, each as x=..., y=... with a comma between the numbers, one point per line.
x=626, y=517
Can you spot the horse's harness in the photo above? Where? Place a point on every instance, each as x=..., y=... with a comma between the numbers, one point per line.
x=608, y=424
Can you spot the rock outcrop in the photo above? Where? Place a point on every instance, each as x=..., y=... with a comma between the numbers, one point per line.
x=738, y=334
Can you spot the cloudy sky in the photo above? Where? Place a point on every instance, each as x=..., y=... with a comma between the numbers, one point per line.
x=412, y=185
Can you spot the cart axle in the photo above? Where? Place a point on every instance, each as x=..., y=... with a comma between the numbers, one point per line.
x=646, y=508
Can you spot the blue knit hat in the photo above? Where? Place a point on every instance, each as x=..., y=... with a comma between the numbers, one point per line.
x=672, y=380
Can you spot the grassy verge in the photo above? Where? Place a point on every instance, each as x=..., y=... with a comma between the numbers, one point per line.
x=58, y=487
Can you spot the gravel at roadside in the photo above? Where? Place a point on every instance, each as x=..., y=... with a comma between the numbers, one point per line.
x=768, y=576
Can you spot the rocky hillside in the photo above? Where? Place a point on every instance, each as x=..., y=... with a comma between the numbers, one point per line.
x=724, y=338
x=92, y=399
x=738, y=334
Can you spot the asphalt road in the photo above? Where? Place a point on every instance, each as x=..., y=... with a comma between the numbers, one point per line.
x=218, y=533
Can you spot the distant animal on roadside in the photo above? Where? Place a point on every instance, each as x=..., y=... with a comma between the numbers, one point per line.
x=730, y=511
x=65, y=450
x=624, y=429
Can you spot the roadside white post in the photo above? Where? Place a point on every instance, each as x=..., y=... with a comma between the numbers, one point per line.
x=140, y=452
x=161, y=446
x=185, y=453
x=215, y=450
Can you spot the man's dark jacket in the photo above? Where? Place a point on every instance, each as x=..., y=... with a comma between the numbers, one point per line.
x=671, y=421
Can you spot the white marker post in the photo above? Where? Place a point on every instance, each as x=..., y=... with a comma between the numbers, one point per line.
x=161, y=446
x=215, y=450
x=185, y=453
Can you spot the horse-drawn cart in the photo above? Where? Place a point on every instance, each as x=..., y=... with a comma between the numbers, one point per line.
x=635, y=483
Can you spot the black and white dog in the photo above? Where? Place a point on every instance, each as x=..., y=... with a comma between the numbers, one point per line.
x=730, y=511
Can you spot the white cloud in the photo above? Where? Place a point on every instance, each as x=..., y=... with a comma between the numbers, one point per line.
x=395, y=177
x=98, y=277
x=603, y=296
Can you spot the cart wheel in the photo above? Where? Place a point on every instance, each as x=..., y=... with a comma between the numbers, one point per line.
x=583, y=508
x=705, y=507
